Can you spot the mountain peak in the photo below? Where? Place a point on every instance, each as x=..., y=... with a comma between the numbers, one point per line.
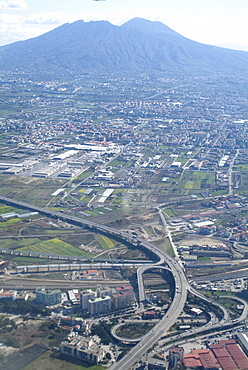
x=137, y=45
x=149, y=27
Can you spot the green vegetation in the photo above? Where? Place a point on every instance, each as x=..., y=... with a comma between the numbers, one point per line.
x=165, y=245
x=49, y=360
x=133, y=331
x=83, y=176
x=206, y=306
x=116, y=163
x=24, y=307
x=170, y=212
x=55, y=246
x=103, y=331
x=9, y=222
x=104, y=241
x=197, y=181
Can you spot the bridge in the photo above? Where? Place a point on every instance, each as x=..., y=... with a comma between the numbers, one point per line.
x=164, y=261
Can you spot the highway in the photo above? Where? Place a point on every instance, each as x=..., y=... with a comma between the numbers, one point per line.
x=165, y=261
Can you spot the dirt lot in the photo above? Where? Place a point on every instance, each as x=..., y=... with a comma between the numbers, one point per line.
x=199, y=240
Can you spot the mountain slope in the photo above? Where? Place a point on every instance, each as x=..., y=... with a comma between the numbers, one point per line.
x=137, y=45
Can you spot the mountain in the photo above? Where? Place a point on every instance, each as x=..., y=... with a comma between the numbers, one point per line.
x=137, y=45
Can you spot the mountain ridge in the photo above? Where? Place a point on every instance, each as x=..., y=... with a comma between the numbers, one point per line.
x=136, y=45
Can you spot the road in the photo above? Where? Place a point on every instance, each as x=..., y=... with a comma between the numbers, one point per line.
x=175, y=309
x=181, y=283
x=9, y=282
x=168, y=233
x=230, y=192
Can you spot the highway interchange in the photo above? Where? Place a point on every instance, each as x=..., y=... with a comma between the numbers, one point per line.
x=181, y=284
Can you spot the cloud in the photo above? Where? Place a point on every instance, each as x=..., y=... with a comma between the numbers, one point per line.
x=13, y=4
x=13, y=27
x=117, y=16
x=59, y=17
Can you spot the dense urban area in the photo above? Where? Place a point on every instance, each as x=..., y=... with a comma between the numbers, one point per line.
x=124, y=222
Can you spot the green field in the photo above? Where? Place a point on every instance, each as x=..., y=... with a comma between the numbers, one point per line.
x=169, y=212
x=83, y=176
x=8, y=209
x=55, y=246
x=105, y=242
x=116, y=163
x=197, y=181
x=164, y=245
x=48, y=361
x=9, y=222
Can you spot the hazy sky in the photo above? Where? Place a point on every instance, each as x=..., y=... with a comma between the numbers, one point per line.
x=208, y=21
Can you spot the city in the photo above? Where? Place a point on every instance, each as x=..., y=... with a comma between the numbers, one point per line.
x=124, y=221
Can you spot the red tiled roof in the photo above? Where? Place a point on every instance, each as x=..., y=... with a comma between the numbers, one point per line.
x=220, y=352
x=197, y=352
x=227, y=341
x=176, y=349
x=208, y=360
x=227, y=363
x=238, y=356
x=191, y=362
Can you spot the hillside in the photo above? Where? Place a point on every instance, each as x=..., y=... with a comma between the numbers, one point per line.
x=138, y=44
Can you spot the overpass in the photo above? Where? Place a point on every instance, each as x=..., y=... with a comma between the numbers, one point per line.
x=182, y=285
x=44, y=268
x=88, y=260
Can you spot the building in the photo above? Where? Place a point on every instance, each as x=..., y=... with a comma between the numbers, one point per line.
x=48, y=297
x=201, y=359
x=99, y=305
x=82, y=348
x=196, y=311
x=104, y=292
x=85, y=296
x=243, y=341
x=229, y=355
x=70, y=321
x=122, y=300
x=176, y=354
x=124, y=288
x=9, y=295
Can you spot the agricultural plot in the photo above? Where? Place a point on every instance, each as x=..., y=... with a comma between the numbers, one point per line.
x=244, y=184
x=116, y=163
x=170, y=212
x=83, y=176
x=85, y=198
x=31, y=190
x=104, y=242
x=14, y=243
x=55, y=246
x=8, y=209
x=9, y=222
x=243, y=167
x=197, y=181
